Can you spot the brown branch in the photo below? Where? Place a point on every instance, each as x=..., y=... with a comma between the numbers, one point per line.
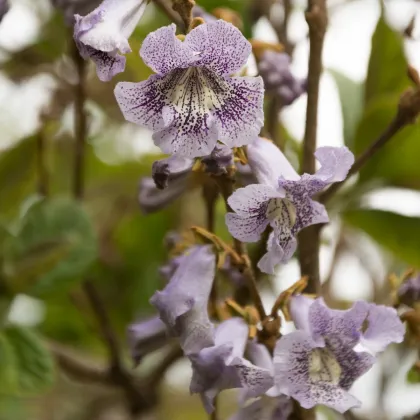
x=394, y=127
x=308, y=238
x=166, y=7
x=80, y=123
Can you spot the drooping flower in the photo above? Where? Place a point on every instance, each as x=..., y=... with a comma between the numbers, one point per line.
x=274, y=68
x=104, y=32
x=191, y=101
x=145, y=337
x=172, y=177
x=282, y=199
x=318, y=363
x=222, y=366
x=182, y=304
x=409, y=291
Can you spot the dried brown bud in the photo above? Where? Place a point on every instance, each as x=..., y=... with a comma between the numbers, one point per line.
x=259, y=47
x=228, y=15
x=409, y=105
x=184, y=9
x=408, y=31
x=197, y=21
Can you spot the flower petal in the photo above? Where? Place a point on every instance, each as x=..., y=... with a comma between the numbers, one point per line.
x=163, y=52
x=250, y=204
x=233, y=331
x=173, y=167
x=152, y=199
x=268, y=162
x=299, y=310
x=240, y=116
x=182, y=305
x=384, y=327
x=146, y=336
x=219, y=160
x=220, y=46
x=335, y=163
x=277, y=252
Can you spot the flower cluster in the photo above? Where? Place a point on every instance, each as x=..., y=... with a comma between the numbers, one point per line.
x=201, y=109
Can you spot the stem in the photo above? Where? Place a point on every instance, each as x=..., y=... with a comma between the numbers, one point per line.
x=43, y=178
x=226, y=188
x=80, y=124
x=393, y=128
x=166, y=7
x=308, y=238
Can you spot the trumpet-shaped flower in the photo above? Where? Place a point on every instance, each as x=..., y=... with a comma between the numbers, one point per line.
x=282, y=199
x=104, y=32
x=191, y=101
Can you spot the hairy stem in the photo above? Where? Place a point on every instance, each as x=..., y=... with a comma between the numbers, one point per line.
x=308, y=238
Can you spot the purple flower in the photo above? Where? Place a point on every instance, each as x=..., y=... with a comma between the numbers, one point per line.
x=173, y=176
x=222, y=366
x=198, y=11
x=192, y=101
x=317, y=364
x=145, y=337
x=182, y=305
x=274, y=68
x=105, y=31
x=282, y=199
x=409, y=291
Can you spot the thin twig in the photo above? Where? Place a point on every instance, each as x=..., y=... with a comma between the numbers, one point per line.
x=316, y=16
x=80, y=124
x=396, y=125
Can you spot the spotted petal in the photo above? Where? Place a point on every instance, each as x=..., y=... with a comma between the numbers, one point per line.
x=268, y=162
x=222, y=366
x=220, y=46
x=182, y=305
x=309, y=374
x=281, y=246
x=251, y=206
x=383, y=328
x=163, y=52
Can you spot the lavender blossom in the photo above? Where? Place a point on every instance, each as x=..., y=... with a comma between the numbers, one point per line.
x=192, y=101
x=409, y=291
x=282, y=199
x=317, y=364
x=198, y=11
x=222, y=366
x=145, y=337
x=274, y=68
x=105, y=31
x=182, y=305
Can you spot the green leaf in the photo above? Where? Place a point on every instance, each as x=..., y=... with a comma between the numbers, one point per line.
x=396, y=233
x=413, y=375
x=396, y=163
x=55, y=245
x=33, y=365
x=7, y=364
x=387, y=70
x=351, y=98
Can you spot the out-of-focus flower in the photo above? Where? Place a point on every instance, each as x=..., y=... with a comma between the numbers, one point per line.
x=222, y=366
x=282, y=199
x=4, y=8
x=192, y=101
x=182, y=304
x=104, y=32
x=174, y=175
x=199, y=12
x=409, y=291
x=75, y=7
x=274, y=68
x=145, y=337
x=317, y=364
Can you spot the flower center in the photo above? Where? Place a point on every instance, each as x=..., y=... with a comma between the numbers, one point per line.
x=282, y=211
x=323, y=367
